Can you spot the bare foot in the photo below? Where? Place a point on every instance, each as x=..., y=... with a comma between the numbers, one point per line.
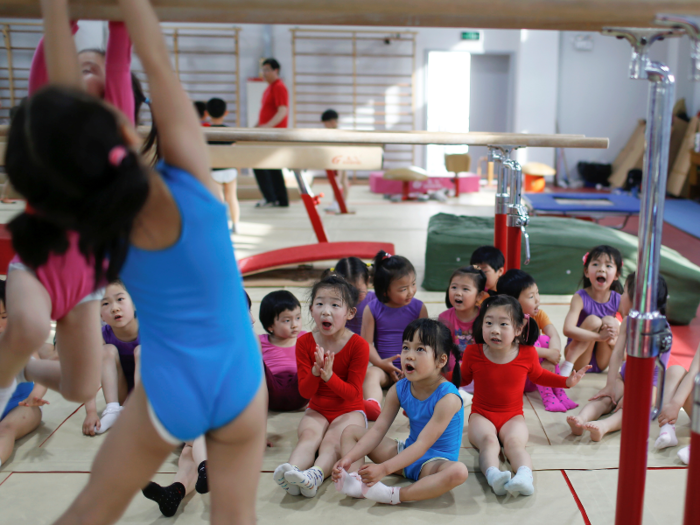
x=596, y=429
x=576, y=425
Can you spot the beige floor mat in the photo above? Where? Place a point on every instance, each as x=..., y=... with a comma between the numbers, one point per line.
x=664, y=498
x=472, y=501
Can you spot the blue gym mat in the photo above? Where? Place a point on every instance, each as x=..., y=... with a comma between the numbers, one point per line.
x=684, y=215
x=583, y=203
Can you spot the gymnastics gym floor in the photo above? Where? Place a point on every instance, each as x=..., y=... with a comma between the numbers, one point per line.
x=575, y=479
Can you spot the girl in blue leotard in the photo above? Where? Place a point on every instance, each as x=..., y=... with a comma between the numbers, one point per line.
x=430, y=455
x=166, y=235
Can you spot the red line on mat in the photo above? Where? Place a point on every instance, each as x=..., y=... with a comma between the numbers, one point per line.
x=576, y=498
x=59, y=426
x=8, y=477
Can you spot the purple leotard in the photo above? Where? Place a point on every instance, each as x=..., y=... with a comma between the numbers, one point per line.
x=355, y=324
x=126, y=353
x=591, y=307
x=389, y=324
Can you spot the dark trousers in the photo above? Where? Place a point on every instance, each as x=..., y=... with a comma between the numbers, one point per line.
x=271, y=184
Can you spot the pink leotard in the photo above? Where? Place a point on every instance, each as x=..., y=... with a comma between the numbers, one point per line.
x=118, y=90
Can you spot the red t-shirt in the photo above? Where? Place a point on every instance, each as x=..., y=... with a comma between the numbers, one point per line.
x=343, y=391
x=275, y=96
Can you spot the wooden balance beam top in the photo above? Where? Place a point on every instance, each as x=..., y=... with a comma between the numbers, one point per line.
x=580, y=15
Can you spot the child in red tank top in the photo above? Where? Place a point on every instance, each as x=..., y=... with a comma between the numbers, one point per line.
x=499, y=364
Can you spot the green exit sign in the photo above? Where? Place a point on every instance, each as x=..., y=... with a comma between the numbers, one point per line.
x=471, y=35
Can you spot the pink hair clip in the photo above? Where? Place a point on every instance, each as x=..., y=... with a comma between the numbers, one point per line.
x=527, y=316
x=117, y=155
x=386, y=256
x=585, y=257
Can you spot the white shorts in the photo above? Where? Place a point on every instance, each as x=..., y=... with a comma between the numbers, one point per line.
x=224, y=176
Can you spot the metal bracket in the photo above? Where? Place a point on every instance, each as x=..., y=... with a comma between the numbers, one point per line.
x=641, y=40
x=691, y=26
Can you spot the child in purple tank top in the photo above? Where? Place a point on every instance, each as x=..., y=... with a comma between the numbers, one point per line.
x=591, y=324
x=120, y=358
x=383, y=323
x=356, y=272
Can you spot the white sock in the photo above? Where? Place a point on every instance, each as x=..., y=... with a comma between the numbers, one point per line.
x=308, y=480
x=497, y=480
x=667, y=437
x=684, y=455
x=566, y=368
x=109, y=417
x=350, y=484
x=521, y=483
x=380, y=493
x=279, y=478
x=6, y=395
x=466, y=397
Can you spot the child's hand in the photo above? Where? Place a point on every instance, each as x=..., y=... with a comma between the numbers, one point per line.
x=327, y=370
x=388, y=366
x=371, y=474
x=33, y=402
x=575, y=376
x=554, y=355
x=91, y=424
x=606, y=391
x=320, y=356
x=619, y=405
x=342, y=464
x=669, y=414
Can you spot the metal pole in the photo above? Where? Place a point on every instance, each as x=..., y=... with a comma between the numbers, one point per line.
x=644, y=324
x=498, y=155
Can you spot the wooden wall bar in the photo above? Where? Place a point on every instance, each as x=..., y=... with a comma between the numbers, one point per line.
x=513, y=14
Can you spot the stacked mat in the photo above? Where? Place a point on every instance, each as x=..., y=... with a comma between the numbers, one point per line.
x=557, y=247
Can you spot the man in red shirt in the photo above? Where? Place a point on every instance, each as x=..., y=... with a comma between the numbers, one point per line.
x=273, y=114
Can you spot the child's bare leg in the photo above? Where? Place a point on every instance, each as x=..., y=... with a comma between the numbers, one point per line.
x=482, y=434
x=592, y=411
x=309, y=480
x=549, y=366
x=669, y=412
x=312, y=428
x=47, y=373
x=186, y=469
x=137, y=368
x=576, y=350
x=236, y=453
x=28, y=325
x=599, y=428
x=436, y=478
x=375, y=380
x=19, y=422
x=514, y=435
x=350, y=483
x=130, y=455
x=351, y=435
x=231, y=198
x=114, y=385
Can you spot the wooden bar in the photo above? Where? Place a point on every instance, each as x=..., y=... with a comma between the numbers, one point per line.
x=578, y=15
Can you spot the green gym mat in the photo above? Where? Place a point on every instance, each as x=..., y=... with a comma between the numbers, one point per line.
x=557, y=247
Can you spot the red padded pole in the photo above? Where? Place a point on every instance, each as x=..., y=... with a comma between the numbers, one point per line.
x=314, y=217
x=337, y=192
x=692, y=491
x=513, y=251
x=500, y=239
x=635, y=437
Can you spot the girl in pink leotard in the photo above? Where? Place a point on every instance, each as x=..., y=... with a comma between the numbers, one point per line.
x=65, y=286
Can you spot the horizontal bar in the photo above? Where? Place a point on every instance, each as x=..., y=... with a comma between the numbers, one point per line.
x=350, y=84
x=350, y=55
x=381, y=113
x=366, y=103
x=358, y=31
x=321, y=74
x=358, y=93
x=350, y=38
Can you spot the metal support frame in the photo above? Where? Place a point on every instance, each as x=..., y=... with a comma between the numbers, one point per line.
x=646, y=328
x=497, y=155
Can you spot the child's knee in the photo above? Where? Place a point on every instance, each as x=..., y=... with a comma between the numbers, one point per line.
x=110, y=353
x=457, y=473
x=513, y=442
x=592, y=322
x=610, y=321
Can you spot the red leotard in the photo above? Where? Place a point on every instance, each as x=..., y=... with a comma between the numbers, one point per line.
x=498, y=388
x=343, y=391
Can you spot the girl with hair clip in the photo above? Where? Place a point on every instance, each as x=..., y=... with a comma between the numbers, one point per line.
x=522, y=286
x=75, y=160
x=609, y=399
x=332, y=362
x=430, y=455
x=383, y=323
x=591, y=324
x=356, y=272
x=499, y=364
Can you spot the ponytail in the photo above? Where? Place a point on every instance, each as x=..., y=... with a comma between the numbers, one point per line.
x=34, y=238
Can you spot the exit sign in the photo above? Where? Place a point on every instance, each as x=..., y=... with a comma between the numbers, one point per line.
x=471, y=35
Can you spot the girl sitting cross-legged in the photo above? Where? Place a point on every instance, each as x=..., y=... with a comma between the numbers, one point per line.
x=430, y=455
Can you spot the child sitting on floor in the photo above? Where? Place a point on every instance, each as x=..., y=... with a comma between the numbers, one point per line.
x=332, y=363
x=591, y=324
x=678, y=393
x=383, y=324
x=356, y=273
x=489, y=260
x=610, y=397
x=430, y=455
x=467, y=288
x=499, y=363
x=120, y=352
x=522, y=286
x=280, y=316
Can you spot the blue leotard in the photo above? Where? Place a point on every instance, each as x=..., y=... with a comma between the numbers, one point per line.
x=20, y=394
x=419, y=413
x=200, y=360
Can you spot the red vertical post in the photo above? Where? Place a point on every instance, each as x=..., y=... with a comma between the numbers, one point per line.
x=314, y=217
x=512, y=253
x=337, y=191
x=635, y=437
x=500, y=237
x=692, y=491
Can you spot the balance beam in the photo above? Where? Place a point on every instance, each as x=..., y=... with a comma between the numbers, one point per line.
x=579, y=15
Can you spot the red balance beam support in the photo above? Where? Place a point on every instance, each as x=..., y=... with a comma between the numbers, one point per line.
x=500, y=239
x=337, y=191
x=635, y=437
x=512, y=252
x=311, y=203
x=692, y=491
